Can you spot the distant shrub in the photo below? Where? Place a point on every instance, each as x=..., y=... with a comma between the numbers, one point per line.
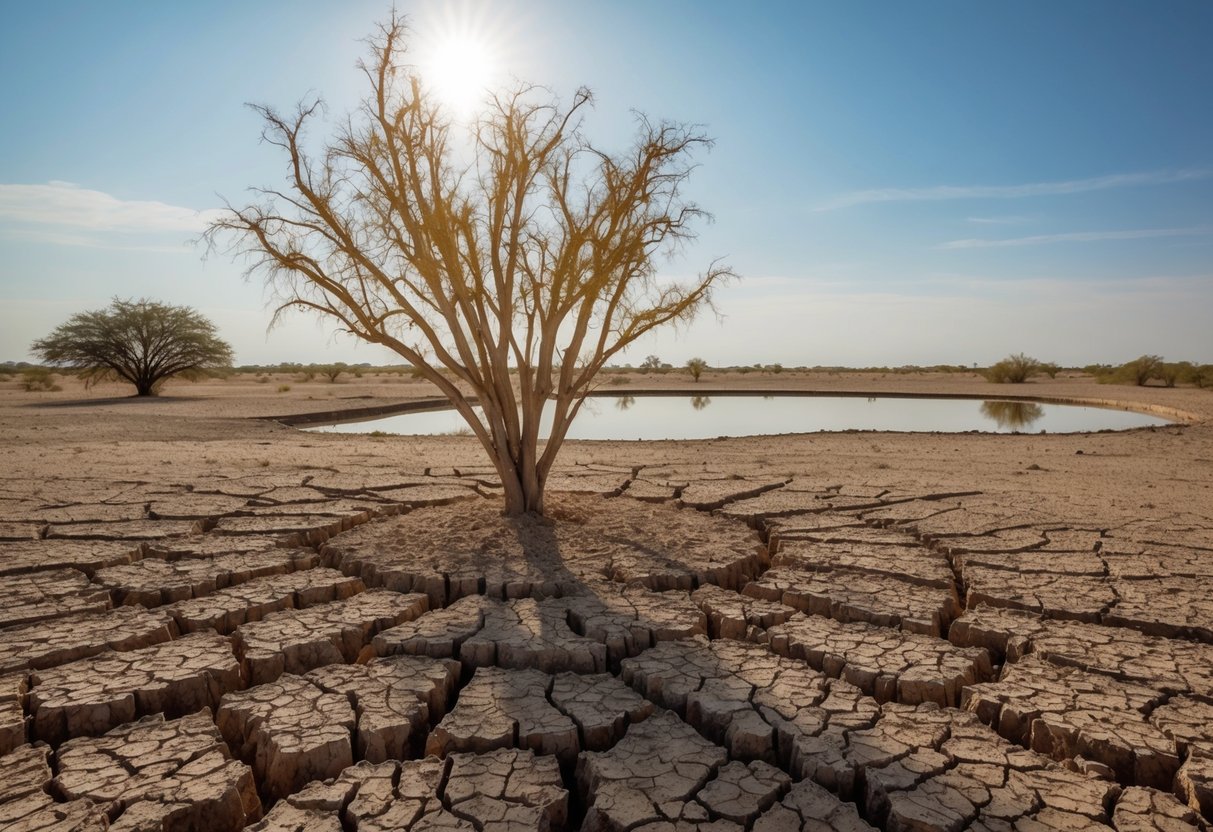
x=284, y=388
x=1172, y=372
x=332, y=371
x=1202, y=375
x=651, y=362
x=1143, y=369
x=1014, y=369
x=1102, y=373
x=695, y=367
x=1050, y=369
x=616, y=381
x=774, y=368
x=39, y=379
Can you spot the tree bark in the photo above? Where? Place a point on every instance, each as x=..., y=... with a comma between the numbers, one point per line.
x=523, y=494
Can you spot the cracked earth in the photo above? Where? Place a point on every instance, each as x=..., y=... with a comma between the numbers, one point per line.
x=369, y=645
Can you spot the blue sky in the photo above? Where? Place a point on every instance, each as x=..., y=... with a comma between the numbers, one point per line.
x=942, y=182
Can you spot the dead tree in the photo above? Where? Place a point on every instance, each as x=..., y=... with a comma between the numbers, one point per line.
x=508, y=263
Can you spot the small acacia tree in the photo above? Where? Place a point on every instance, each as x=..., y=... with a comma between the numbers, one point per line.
x=1202, y=375
x=1015, y=369
x=139, y=341
x=524, y=248
x=695, y=367
x=1170, y=372
x=1142, y=369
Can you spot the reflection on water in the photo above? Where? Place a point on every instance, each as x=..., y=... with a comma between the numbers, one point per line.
x=666, y=417
x=1013, y=415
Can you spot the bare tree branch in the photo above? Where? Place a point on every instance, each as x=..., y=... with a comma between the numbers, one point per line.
x=508, y=268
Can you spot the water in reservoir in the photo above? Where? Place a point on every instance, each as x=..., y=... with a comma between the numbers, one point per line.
x=706, y=417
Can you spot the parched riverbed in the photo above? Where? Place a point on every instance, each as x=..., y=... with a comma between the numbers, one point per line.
x=221, y=623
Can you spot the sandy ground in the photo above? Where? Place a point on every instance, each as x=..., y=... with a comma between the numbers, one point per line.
x=213, y=428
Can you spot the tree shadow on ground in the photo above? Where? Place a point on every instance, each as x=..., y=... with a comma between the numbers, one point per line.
x=112, y=400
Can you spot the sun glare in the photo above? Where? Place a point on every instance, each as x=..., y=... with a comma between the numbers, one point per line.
x=458, y=64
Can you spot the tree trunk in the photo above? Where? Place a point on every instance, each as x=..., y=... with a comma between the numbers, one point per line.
x=523, y=494
x=143, y=387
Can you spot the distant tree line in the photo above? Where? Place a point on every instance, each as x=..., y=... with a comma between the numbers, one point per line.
x=1014, y=369
x=1149, y=368
x=1018, y=368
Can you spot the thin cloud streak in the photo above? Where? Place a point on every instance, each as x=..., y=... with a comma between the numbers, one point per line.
x=69, y=205
x=1070, y=186
x=1078, y=237
x=996, y=220
x=55, y=238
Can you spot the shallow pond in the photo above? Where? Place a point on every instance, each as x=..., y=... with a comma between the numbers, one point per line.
x=706, y=417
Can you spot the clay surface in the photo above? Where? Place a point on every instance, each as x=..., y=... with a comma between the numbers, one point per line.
x=222, y=623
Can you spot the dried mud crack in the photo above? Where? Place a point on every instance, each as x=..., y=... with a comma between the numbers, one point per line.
x=668, y=650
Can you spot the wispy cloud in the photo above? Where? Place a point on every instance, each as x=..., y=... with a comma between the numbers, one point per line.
x=1015, y=220
x=1068, y=186
x=1079, y=237
x=67, y=205
x=78, y=240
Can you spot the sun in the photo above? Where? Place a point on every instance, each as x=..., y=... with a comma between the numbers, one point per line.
x=459, y=64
